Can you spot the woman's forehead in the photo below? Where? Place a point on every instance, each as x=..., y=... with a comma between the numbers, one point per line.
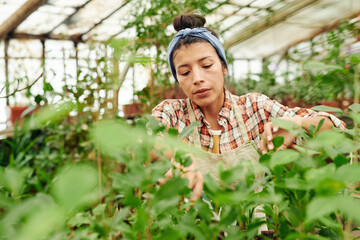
x=194, y=52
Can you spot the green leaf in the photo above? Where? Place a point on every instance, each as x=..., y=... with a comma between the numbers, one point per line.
x=319, y=66
x=348, y=173
x=33, y=219
x=99, y=210
x=79, y=219
x=328, y=138
x=340, y=160
x=75, y=186
x=294, y=183
x=173, y=132
x=329, y=187
x=188, y=130
x=49, y=114
x=355, y=108
x=287, y=125
x=355, y=58
x=314, y=175
x=278, y=141
x=140, y=220
x=283, y=157
x=114, y=136
x=13, y=180
x=320, y=124
x=322, y=206
x=324, y=108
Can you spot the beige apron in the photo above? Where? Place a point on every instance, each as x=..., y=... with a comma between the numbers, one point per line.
x=208, y=162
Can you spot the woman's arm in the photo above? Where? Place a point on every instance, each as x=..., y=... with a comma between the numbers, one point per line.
x=271, y=131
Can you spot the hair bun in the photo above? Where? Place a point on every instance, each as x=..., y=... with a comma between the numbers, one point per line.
x=188, y=21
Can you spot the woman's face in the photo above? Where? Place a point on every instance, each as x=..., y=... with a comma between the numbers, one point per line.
x=200, y=73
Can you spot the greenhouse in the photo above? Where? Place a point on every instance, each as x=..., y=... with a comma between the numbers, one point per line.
x=114, y=125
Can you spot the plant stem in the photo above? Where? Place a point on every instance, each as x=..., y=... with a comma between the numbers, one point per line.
x=356, y=101
x=99, y=168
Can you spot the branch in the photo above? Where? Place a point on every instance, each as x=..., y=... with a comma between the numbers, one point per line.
x=22, y=89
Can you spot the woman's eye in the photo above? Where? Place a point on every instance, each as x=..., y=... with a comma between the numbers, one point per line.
x=185, y=73
x=207, y=66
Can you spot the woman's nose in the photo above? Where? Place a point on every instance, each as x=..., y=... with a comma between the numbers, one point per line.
x=197, y=76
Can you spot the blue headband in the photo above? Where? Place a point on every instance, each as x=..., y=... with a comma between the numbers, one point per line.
x=195, y=32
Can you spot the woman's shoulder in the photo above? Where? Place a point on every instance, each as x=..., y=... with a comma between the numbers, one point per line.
x=251, y=98
x=171, y=105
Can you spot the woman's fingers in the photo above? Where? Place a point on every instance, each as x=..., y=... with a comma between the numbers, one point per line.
x=267, y=137
x=198, y=186
x=168, y=176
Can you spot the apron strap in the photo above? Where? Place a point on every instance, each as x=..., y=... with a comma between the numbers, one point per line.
x=239, y=119
x=238, y=116
x=195, y=133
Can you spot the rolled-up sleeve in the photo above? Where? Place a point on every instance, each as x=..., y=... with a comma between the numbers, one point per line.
x=273, y=108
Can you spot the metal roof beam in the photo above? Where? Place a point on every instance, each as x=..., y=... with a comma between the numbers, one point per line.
x=278, y=16
x=101, y=21
x=10, y=24
x=66, y=19
x=324, y=29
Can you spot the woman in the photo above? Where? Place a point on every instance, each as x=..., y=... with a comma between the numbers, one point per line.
x=231, y=127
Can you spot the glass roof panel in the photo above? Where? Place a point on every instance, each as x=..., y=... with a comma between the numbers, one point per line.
x=213, y=19
x=230, y=21
x=8, y=7
x=327, y=13
x=227, y=9
x=246, y=11
x=112, y=25
x=88, y=16
x=46, y=18
x=263, y=3
x=67, y=3
x=242, y=2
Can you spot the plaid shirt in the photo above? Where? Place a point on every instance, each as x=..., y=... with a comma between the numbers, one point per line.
x=256, y=110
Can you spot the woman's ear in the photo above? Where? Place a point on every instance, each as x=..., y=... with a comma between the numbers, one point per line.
x=225, y=71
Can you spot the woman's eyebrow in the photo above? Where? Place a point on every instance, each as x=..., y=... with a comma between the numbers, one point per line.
x=200, y=60
x=204, y=58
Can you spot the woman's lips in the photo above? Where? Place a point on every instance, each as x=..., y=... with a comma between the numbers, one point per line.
x=203, y=92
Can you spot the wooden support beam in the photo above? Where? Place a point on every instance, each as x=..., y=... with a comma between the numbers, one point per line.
x=10, y=24
x=44, y=37
x=278, y=16
x=7, y=82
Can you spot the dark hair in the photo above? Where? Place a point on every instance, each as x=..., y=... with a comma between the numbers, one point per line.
x=191, y=20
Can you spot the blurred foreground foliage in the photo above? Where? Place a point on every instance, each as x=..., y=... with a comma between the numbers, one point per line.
x=100, y=181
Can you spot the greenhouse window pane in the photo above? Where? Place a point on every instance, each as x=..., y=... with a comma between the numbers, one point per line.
x=45, y=19
x=2, y=46
x=88, y=16
x=57, y=49
x=25, y=48
x=8, y=7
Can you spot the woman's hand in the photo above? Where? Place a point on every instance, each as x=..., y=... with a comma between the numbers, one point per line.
x=192, y=173
x=271, y=131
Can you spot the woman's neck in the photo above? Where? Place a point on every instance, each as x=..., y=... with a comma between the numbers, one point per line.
x=212, y=111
